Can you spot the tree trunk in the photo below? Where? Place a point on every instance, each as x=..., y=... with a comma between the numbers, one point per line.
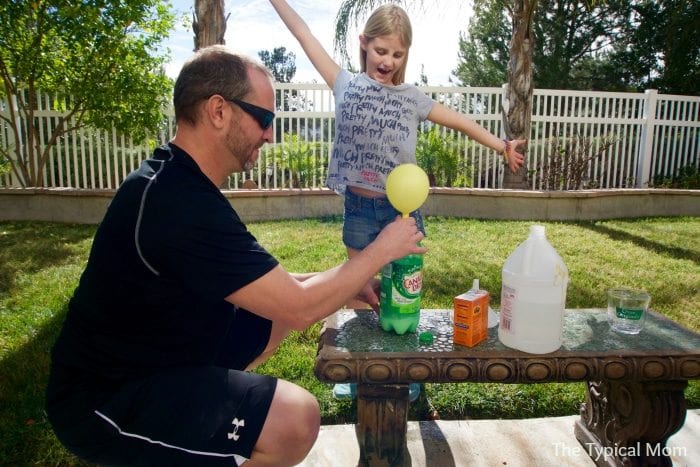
x=208, y=23
x=519, y=90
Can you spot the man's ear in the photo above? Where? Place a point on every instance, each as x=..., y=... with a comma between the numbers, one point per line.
x=214, y=111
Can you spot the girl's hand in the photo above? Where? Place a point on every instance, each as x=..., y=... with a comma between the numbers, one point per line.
x=513, y=159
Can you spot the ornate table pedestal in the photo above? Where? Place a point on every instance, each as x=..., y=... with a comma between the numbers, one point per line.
x=628, y=423
x=635, y=384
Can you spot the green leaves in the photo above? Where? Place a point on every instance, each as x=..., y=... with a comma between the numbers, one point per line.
x=280, y=62
x=103, y=57
x=441, y=156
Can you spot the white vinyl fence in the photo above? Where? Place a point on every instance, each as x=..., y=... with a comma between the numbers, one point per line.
x=652, y=136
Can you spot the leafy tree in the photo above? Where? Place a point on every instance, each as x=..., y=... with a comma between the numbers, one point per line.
x=660, y=49
x=423, y=78
x=570, y=33
x=280, y=63
x=569, y=37
x=483, y=53
x=99, y=59
x=620, y=45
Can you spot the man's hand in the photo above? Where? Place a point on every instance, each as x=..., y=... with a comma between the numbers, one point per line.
x=368, y=295
x=398, y=239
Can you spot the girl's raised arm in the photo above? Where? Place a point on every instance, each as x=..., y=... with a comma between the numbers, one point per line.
x=320, y=59
x=445, y=116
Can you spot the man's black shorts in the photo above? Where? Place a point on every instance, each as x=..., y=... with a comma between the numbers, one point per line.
x=198, y=416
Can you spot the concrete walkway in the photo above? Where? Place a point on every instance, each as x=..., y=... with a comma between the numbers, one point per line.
x=541, y=442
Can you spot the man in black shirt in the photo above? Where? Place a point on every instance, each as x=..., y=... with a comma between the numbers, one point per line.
x=178, y=300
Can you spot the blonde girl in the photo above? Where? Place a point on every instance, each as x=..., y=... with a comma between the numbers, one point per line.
x=377, y=116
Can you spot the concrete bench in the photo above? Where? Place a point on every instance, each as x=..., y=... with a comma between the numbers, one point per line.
x=635, y=384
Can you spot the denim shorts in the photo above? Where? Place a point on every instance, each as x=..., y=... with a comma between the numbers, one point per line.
x=364, y=218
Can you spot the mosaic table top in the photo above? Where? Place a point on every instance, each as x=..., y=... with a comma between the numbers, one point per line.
x=353, y=347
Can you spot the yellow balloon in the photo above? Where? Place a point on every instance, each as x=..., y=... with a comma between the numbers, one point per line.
x=407, y=188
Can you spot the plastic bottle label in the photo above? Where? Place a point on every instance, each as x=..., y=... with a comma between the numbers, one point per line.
x=409, y=284
x=508, y=296
x=400, y=295
x=406, y=291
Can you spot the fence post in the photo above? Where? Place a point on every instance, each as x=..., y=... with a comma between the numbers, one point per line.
x=647, y=139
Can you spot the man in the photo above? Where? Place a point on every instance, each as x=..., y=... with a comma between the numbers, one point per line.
x=178, y=299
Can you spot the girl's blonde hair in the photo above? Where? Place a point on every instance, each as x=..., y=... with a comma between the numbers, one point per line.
x=386, y=20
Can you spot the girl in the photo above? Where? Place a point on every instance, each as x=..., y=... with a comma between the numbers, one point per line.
x=377, y=117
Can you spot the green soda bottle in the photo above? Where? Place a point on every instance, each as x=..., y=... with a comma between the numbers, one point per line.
x=400, y=293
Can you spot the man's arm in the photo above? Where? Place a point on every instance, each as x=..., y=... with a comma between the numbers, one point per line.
x=369, y=295
x=281, y=297
x=320, y=59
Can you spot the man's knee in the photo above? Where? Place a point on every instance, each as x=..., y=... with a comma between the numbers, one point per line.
x=292, y=424
x=303, y=423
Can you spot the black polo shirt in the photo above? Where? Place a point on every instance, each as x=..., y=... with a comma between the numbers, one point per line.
x=167, y=253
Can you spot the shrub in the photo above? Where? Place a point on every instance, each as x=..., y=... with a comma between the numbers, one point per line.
x=688, y=178
x=567, y=163
x=440, y=156
x=302, y=164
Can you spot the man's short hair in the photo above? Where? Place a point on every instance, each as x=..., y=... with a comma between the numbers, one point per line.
x=212, y=70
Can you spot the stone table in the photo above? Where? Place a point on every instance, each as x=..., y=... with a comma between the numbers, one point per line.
x=635, y=383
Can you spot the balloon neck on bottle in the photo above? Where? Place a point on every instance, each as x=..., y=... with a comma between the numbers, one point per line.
x=405, y=214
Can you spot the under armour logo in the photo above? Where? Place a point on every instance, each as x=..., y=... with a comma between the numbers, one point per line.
x=237, y=424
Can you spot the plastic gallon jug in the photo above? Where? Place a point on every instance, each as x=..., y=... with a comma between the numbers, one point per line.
x=400, y=294
x=533, y=296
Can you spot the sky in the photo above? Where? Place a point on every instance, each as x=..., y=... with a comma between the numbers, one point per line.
x=253, y=25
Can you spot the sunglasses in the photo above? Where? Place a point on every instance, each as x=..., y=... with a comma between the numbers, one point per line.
x=263, y=116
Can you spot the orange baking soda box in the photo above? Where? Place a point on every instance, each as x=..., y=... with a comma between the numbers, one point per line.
x=471, y=316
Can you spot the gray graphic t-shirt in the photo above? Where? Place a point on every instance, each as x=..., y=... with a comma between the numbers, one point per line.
x=376, y=128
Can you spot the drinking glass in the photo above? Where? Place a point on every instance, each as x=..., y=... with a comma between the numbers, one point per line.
x=627, y=309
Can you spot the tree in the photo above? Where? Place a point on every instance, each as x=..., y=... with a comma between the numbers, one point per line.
x=483, y=53
x=280, y=63
x=208, y=23
x=571, y=39
x=570, y=34
x=619, y=45
x=517, y=111
x=100, y=61
x=660, y=49
x=283, y=68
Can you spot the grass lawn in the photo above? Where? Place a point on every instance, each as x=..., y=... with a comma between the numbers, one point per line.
x=40, y=264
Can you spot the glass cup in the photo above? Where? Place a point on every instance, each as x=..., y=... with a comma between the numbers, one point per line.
x=627, y=309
